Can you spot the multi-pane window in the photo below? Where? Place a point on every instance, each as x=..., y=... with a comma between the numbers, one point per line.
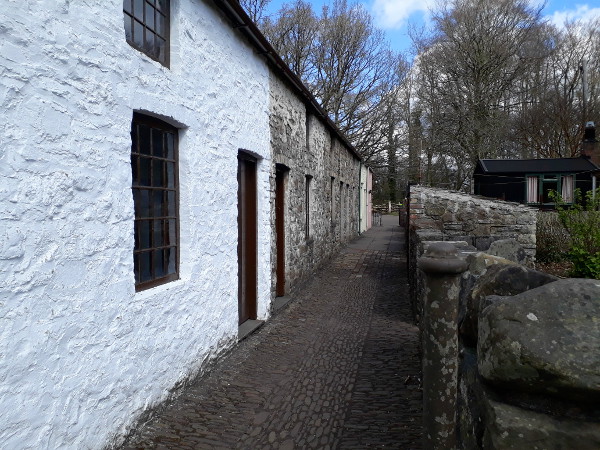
x=155, y=185
x=540, y=188
x=147, y=27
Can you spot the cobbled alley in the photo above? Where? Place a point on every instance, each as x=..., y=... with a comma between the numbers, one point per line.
x=337, y=368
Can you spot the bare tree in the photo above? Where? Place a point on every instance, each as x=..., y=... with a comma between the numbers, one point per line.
x=294, y=34
x=255, y=8
x=348, y=65
x=553, y=105
x=468, y=70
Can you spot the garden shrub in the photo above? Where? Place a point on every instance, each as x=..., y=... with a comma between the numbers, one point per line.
x=582, y=221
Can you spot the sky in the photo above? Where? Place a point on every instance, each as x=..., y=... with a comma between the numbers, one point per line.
x=393, y=16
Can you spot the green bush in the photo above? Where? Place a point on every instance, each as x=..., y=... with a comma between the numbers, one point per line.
x=582, y=221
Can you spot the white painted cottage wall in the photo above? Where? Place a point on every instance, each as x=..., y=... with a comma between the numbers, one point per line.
x=81, y=354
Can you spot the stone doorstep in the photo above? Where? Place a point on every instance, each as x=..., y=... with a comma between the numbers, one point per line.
x=281, y=302
x=249, y=327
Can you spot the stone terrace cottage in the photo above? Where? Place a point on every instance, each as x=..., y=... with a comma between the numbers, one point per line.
x=156, y=159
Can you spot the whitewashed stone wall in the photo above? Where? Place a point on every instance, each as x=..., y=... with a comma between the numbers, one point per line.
x=333, y=211
x=82, y=354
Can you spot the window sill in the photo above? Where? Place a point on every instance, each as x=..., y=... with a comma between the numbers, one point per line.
x=159, y=289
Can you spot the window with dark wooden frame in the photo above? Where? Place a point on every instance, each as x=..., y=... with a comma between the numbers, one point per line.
x=155, y=196
x=147, y=27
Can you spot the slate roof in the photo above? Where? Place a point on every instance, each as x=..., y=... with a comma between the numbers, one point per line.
x=549, y=165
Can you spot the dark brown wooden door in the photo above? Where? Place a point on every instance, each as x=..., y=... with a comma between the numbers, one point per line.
x=280, y=229
x=247, y=237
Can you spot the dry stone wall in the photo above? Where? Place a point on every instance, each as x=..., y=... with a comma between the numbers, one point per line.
x=517, y=351
x=478, y=223
x=475, y=220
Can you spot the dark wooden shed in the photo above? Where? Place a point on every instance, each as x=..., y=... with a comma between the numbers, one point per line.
x=530, y=181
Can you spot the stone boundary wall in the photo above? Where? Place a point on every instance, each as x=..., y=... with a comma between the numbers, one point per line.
x=511, y=356
x=478, y=221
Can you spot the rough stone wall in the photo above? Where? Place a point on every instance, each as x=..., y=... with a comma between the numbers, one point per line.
x=475, y=220
x=440, y=215
x=524, y=360
x=81, y=353
x=302, y=142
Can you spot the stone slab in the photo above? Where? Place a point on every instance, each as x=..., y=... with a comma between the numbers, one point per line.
x=510, y=427
x=544, y=340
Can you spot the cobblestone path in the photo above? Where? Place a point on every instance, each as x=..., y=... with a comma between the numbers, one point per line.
x=337, y=369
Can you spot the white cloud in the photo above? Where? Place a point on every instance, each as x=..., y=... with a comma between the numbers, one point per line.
x=580, y=12
x=391, y=14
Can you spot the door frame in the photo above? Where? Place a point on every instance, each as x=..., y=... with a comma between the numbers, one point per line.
x=247, y=236
x=281, y=174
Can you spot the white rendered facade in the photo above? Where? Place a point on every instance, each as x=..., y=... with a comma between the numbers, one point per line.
x=81, y=353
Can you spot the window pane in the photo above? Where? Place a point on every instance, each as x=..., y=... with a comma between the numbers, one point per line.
x=149, y=47
x=160, y=24
x=547, y=187
x=134, y=138
x=158, y=178
x=144, y=210
x=138, y=10
x=171, y=200
x=136, y=236
x=161, y=5
x=136, y=268
x=159, y=263
x=170, y=255
x=567, y=188
x=149, y=19
x=138, y=34
x=128, y=28
x=145, y=267
x=144, y=139
x=158, y=200
x=136, y=200
x=144, y=174
x=158, y=234
x=127, y=6
x=172, y=233
x=170, y=174
x=161, y=49
x=144, y=230
x=157, y=142
x=170, y=145
x=134, y=169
